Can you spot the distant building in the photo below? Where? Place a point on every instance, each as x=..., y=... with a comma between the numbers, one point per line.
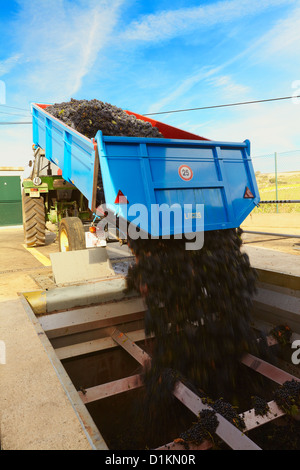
x=11, y=195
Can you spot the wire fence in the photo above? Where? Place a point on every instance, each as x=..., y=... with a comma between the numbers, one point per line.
x=278, y=179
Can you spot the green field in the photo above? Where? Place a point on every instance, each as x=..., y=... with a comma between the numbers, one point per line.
x=288, y=188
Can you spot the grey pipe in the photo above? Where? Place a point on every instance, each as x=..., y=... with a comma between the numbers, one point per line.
x=283, y=235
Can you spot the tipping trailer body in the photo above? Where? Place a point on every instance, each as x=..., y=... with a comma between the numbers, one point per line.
x=183, y=169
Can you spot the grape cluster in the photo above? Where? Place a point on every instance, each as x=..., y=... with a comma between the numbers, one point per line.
x=228, y=412
x=287, y=397
x=260, y=405
x=203, y=429
x=90, y=116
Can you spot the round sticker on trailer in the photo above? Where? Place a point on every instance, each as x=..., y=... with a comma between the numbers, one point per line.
x=185, y=172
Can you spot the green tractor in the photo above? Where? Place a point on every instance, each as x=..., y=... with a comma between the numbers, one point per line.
x=48, y=198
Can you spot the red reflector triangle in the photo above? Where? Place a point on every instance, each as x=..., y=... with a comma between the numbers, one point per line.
x=121, y=199
x=248, y=194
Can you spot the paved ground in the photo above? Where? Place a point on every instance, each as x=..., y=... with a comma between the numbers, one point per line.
x=282, y=244
x=287, y=224
x=18, y=266
x=26, y=269
x=35, y=412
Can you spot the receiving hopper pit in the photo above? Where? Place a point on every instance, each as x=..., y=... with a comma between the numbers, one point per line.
x=98, y=352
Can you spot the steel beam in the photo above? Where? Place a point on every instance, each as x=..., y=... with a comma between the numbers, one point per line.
x=230, y=434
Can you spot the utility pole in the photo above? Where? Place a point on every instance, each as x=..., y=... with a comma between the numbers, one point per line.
x=276, y=182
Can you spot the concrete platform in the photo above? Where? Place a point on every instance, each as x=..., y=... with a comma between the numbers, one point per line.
x=35, y=411
x=73, y=267
x=273, y=260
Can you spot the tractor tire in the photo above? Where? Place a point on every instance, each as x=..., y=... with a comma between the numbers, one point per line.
x=34, y=223
x=71, y=234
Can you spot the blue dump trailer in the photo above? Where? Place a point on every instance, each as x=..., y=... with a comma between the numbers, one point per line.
x=211, y=181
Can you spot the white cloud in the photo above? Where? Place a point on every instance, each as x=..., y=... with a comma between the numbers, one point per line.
x=278, y=44
x=57, y=43
x=172, y=23
x=184, y=87
x=60, y=42
x=8, y=64
x=205, y=80
x=15, y=145
x=282, y=40
x=228, y=87
x=271, y=127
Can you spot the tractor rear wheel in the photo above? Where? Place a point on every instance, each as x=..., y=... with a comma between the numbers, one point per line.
x=34, y=223
x=71, y=234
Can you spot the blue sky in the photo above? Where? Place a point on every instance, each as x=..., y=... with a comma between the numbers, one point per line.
x=156, y=56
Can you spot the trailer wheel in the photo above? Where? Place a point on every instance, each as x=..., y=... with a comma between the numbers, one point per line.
x=34, y=223
x=71, y=234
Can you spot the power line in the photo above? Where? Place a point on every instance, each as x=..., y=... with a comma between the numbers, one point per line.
x=3, y=123
x=187, y=109
x=14, y=107
x=13, y=114
x=223, y=105
x=278, y=153
x=176, y=110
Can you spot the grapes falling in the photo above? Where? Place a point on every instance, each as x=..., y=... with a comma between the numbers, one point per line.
x=199, y=306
